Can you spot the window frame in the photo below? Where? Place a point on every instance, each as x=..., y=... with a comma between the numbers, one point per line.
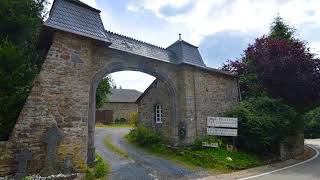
x=158, y=113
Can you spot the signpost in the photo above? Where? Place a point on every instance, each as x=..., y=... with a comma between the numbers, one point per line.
x=205, y=144
x=222, y=126
x=222, y=122
x=222, y=132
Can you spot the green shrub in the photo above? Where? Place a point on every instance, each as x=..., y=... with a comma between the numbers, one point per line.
x=89, y=175
x=312, y=123
x=197, y=144
x=209, y=158
x=263, y=122
x=133, y=118
x=144, y=136
x=120, y=121
x=101, y=168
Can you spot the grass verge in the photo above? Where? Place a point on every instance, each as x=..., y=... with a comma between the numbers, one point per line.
x=100, y=170
x=212, y=159
x=100, y=125
x=208, y=158
x=108, y=143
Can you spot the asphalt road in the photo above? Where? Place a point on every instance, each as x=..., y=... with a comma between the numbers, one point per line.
x=306, y=171
x=141, y=165
x=144, y=166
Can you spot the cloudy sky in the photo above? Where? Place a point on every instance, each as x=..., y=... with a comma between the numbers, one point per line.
x=221, y=29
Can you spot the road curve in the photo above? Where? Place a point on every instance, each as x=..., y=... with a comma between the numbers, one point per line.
x=305, y=171
x=144, y=166
x=141, y=165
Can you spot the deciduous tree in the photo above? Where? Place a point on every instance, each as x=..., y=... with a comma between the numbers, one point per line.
x=280, y=65
x=20, y=56
x=104, y=88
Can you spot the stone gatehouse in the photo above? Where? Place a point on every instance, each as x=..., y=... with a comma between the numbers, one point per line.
x=58, y=119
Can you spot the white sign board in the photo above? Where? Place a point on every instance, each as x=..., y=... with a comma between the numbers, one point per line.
x=205, y=144
x=222, y=132
x=222, y=122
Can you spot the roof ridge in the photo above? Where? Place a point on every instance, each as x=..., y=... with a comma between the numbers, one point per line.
x=182, y=42
x=64, y=16
x=149, y=44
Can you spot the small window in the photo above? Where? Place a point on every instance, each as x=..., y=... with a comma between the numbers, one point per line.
x=158, y=113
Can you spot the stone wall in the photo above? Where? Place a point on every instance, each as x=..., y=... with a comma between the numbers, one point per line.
x=215, y=94
x=121, y=110
x=157, y=94
x=291, y=146
x=59, y=96
x=63, y=94
x=202, y=93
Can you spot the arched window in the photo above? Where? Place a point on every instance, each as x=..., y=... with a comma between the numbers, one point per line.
x=158, y=113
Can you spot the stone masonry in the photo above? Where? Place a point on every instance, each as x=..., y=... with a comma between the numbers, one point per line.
x=156, y=94
x=63, y=96
x=121, y=109
x=203, y=94
x=64, y=92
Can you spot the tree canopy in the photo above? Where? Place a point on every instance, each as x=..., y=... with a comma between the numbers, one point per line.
x=20, y=56
x=281, y=66
x=280, y=30
x=276, y=72
x=104, y=88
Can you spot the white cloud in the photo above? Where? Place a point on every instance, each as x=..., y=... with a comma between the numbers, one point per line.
x=132, y=80
x=206, y=18
x=209, y=17
x=91, y=3
x=156, y=5
x=315, y=48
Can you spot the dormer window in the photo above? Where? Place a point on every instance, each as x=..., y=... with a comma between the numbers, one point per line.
x=158, y=113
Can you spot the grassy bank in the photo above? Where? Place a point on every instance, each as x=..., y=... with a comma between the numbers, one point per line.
x=209, y=158
x=215, y=159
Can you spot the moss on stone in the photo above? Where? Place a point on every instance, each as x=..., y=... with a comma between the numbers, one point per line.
x=79, y=163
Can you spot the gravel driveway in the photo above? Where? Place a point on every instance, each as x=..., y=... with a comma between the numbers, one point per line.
x=141, y=165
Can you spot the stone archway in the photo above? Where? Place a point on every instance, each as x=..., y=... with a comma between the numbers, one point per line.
x=81, y=54
x=140, y=66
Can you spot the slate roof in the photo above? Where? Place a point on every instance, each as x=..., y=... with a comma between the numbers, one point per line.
x=76, y=17
x=128, y=44
x=124, y=95
x=186, y=53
